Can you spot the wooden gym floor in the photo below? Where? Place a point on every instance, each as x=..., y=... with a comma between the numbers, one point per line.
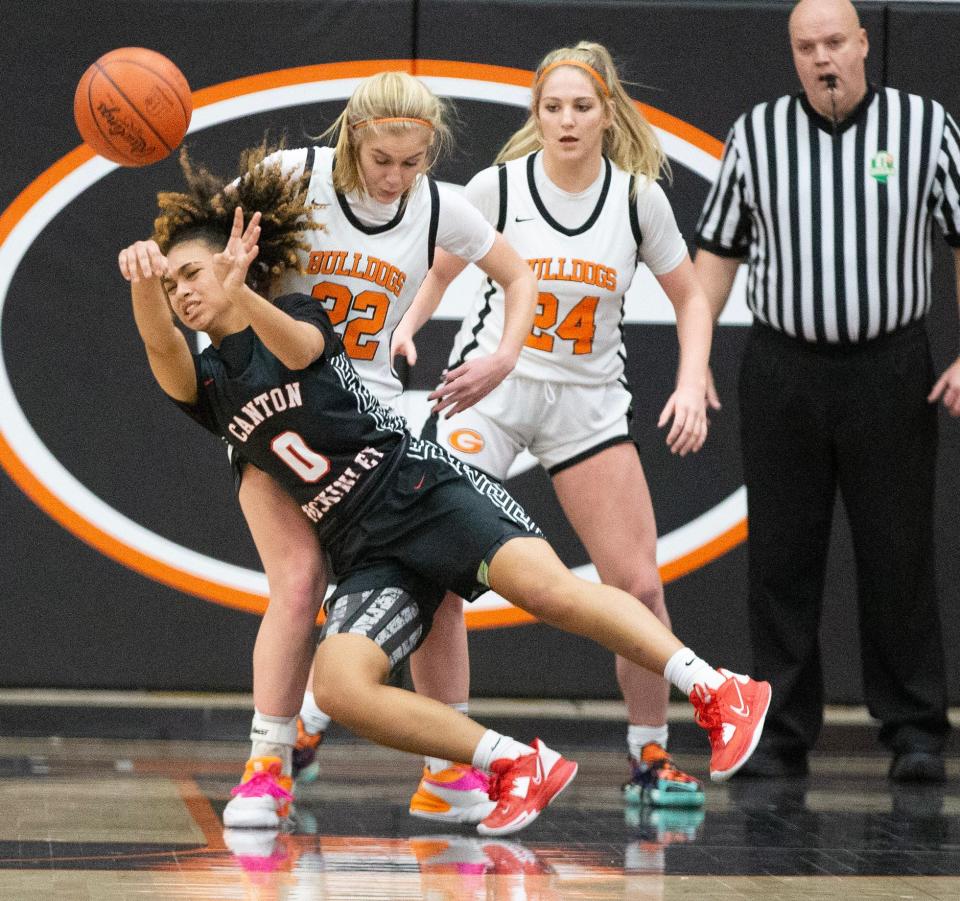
x=138, y=816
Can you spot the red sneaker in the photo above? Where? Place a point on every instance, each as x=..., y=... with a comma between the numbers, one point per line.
x=523, y=787
x=733, y=715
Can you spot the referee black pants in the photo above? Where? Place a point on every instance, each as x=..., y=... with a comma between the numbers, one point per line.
x=815, y=419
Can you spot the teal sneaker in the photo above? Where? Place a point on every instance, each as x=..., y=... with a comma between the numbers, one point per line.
x=656, y=782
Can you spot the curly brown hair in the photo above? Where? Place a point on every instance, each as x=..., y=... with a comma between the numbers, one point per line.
x=205, y=212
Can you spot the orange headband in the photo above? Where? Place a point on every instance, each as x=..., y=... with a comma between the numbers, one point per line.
x=593, y=73
x=363, y=123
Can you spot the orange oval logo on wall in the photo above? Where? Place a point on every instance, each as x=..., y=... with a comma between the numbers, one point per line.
x=144, y=536
x=467, y=441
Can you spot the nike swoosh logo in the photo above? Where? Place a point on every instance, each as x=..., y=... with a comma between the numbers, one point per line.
x=690, y=661
x=419, y=484
x=743, y=710
x=538, y=776
x=528, y=219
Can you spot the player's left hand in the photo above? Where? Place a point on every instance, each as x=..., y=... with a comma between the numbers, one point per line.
x=464, y=386
x=948, y=388
x=231, y=264
x=688, y=407
x=402, y=345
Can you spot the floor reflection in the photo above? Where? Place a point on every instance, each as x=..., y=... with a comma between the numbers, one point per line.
x=142, y=819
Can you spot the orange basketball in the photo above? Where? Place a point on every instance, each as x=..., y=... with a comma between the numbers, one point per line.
x=133, y=106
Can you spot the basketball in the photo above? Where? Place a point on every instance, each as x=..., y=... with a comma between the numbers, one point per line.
x=133, y=106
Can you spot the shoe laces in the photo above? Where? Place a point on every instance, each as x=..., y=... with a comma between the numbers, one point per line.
x=655, y=759
x=259, y=784
x=503, y=774
x=707, y=714
x=655, y=763
x=494, y=787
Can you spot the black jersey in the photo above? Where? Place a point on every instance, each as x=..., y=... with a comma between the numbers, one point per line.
x=317, y=431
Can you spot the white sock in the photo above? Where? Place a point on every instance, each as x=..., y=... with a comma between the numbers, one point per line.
x=438, y=764
x=638, y=736
x=494, y=746
x=273, y=736
x=314, y=719
x=685, y=669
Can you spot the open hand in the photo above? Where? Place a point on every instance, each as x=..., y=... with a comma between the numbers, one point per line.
x=464, y=386
x=231, y=264
x=687, y=406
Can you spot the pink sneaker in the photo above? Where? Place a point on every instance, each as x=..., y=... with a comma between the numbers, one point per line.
x=458, y=794
x=262, y=798
x=257, y=850
x=525, y=786
x=733, y=716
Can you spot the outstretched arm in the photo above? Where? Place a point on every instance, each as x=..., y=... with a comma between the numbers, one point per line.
x=169, y=356
x=446, y=267
x=464, y=386
x=296, y=344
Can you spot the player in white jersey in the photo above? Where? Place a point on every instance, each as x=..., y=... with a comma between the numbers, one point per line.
x=575, y=192
x=382, y=216
x=368, y=261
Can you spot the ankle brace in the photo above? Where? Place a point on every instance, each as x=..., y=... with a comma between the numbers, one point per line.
x=274, y=730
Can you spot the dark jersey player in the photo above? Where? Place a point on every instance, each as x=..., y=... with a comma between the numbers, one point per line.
x=389, y=535
x=342, y=455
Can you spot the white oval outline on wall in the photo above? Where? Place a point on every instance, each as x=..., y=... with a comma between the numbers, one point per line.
x=55, y=490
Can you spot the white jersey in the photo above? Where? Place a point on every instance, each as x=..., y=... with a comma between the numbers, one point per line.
x=584, y=249
x=367, y=263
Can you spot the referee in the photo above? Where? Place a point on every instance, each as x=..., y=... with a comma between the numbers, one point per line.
x=831, y=196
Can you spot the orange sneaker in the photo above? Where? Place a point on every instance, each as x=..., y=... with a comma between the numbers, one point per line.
x=733, y=716
x=305, y=767
x=525, y=786
x=262, y=798
x=458, y=794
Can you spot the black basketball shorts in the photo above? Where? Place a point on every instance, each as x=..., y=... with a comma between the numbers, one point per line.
x=438, y=520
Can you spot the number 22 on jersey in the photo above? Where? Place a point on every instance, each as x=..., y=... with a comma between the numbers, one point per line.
x=358, y=336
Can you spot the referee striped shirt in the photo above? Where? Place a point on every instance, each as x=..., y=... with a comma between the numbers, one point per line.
x=836, y=223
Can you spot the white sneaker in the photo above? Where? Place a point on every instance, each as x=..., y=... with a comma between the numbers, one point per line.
x=262, y=798
x=458, y=794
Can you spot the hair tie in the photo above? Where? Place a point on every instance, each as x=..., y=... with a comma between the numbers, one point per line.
x=579, y=65
x=363, y=123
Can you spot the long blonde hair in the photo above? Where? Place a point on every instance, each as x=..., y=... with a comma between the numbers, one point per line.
x=388, y=103
x=630, y=141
